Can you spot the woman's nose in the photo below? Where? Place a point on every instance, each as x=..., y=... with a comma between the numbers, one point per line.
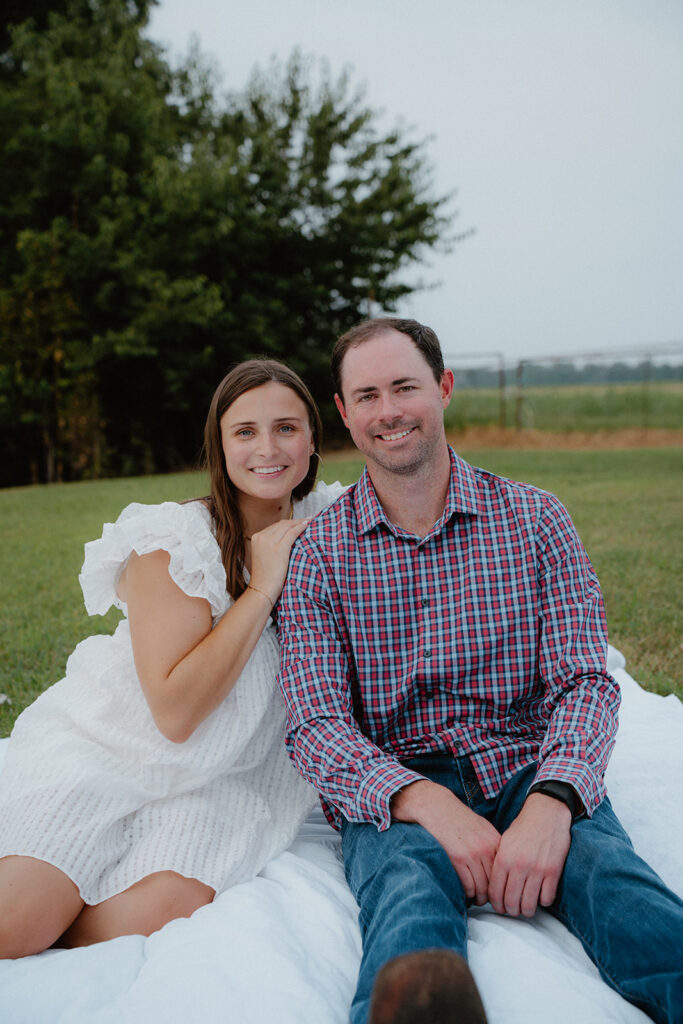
x=265, y=445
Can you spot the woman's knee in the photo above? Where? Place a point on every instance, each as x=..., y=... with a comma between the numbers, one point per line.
x=143, y=908
x=175, y=895
x=37, y=903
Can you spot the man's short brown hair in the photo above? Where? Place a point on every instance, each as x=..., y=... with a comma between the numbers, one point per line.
x=423, y=337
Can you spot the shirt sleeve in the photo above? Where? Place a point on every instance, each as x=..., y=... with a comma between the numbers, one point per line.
x=183, y=530
x=316, y=679
x=581, y=696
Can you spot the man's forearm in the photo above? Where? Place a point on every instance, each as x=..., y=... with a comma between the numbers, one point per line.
x=347, y=768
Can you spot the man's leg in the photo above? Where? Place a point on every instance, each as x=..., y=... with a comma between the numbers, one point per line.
x=629, y=922
x=409, y=895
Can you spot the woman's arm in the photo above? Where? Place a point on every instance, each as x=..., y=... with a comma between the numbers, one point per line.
x=185, y=667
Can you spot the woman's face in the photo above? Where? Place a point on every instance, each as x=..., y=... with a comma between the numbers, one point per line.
x=267, y=442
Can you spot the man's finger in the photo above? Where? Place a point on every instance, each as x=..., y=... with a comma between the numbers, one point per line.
x=481, y=883
x=497, y=887
x=530, y=893
x=512, y=899
x=548, y=891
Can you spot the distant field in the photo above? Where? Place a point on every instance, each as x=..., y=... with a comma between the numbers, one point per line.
x=587, y=409
x=626, y=505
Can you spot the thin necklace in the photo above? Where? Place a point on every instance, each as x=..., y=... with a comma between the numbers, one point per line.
x=290, y=516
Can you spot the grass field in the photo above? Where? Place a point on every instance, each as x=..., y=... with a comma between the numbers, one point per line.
x=625, y=503
x=587, y=409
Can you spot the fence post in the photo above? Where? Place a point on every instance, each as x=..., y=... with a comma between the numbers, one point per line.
x=501, y=389
x=647, y=395
x=519, y=397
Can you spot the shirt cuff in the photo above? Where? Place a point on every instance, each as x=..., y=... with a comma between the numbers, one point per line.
x=590, y=790
x=373, y=799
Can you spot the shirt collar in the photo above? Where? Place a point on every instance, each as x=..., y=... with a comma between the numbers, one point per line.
x=461, y=497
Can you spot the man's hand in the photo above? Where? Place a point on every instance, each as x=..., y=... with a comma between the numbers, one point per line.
x=530, y=857
x=469, y=840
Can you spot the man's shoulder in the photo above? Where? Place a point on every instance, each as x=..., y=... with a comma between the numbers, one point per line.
x=339, y=515
x=325, y=546
x=495, y=489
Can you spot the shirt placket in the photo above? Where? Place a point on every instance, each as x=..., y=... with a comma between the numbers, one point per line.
x=425, y=621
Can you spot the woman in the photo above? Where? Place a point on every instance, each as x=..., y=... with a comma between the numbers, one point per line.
x=154, y=774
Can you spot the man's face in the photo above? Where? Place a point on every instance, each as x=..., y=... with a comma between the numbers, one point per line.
x=391, y=403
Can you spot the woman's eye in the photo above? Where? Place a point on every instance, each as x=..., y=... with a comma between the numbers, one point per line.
x=286, y=428
x=245, y=433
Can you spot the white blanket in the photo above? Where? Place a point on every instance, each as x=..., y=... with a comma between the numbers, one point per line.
x=285, y=947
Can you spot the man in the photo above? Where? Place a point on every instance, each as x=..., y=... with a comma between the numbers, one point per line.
x=443, y=665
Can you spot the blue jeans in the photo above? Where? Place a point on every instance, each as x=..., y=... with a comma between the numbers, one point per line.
x=628, y=921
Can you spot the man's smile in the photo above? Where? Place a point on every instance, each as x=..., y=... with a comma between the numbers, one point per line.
x=396, y=436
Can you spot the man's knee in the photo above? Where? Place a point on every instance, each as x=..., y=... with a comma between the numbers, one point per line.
x=432, y=985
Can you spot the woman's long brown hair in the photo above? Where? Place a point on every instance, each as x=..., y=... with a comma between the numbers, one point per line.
x=222, y=500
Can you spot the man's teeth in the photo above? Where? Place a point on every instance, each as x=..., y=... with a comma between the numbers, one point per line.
x=266, y=470
x=395, y=437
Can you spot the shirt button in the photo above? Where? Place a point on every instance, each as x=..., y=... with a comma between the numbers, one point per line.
x=424, y=602
x=428, y=654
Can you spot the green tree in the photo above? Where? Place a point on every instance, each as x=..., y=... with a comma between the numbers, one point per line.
x=150, y=235
x=302, y=211
x=45, y=365
x=85, y=114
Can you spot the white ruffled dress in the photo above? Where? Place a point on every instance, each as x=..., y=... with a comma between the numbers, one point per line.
x=91, y=785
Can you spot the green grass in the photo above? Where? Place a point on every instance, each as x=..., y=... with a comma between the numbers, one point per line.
x=43, y=530
x=626, y=505
x=586, y=408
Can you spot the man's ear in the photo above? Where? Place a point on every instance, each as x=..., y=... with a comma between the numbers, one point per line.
x=446, y=387
x=342, y=411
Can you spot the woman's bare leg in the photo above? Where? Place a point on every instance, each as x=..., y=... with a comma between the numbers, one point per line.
x=140, y=910
x=37, y=903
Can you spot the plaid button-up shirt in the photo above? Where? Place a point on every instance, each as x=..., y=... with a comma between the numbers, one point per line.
x=486, y=637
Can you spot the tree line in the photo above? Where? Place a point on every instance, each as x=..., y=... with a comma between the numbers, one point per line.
x=153, y=232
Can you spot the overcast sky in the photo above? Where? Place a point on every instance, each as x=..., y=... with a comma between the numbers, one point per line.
x=560, y=124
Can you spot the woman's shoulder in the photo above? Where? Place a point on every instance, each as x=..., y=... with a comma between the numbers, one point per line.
x=166, y=514
x=184, y=530
x=318, y=499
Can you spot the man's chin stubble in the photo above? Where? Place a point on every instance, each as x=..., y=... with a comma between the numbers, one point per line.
x=414, y=466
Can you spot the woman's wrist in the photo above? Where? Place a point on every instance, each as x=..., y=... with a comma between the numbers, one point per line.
x=257, y=590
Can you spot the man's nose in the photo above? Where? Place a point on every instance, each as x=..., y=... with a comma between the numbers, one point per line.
x=389, y=408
